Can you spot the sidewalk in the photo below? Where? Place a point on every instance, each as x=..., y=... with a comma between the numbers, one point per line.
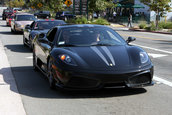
x=123, y=27
x=10, y=99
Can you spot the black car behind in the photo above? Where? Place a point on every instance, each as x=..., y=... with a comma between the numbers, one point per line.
x=43, y=14
x=38, y=26
x=64, y=15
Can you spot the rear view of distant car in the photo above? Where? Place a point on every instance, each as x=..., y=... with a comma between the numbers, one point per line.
x=64, y=15
x=42, y=14
x=20, y=20
x=6, y=13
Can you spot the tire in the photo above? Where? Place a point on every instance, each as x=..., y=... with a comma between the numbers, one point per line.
x=24, y=41
x=51, y=80
x=12, y=30
x=30, y=42
x=34, y=62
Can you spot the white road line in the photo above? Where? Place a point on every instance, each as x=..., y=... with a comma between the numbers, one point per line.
x=162, y=81
x=168, y=52
x=30, y=57
x=156, y=55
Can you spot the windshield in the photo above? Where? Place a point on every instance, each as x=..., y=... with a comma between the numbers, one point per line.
x=89, y=36
x=47, y=24
x=25, y=18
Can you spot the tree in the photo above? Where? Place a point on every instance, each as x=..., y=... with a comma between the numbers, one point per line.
x=160, y=7
x=16, y=3
x=52, y=5
x=99, y=5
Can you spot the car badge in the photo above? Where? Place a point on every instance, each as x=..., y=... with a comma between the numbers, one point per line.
x=110, y=64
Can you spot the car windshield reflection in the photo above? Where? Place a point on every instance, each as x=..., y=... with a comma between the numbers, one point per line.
x=87, y=36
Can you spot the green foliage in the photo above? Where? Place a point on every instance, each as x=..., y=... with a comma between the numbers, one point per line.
x=165, y=25
x=15, y=3
x=51, y=5
x=159, y=6
x=152, y=27
x=142, y=25
x=100, y=5
x=100, y=21
x=83, y=20
x=78, y=20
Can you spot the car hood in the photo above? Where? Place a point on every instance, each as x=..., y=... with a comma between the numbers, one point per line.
x=102, y=56
x=24, y=22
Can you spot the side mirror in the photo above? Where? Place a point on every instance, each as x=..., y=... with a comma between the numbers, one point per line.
x=130, y=39
x=27, y=27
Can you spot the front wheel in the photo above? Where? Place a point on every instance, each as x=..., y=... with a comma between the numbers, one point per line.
x=50, y=75
x=24, y=41
x=34, y=62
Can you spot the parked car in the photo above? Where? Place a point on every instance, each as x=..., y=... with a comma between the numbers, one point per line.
x=43, y=14
x=90, y=57
x=20, y=20
x=64, y=15
x=9, y=19
x=17, y=9
x=38, y=26
x=6, y=12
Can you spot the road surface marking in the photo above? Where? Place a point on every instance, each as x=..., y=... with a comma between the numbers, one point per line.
x=164, y=51
x=141, y=37
x=156, y=55
x=162, y=81
x=30, y=57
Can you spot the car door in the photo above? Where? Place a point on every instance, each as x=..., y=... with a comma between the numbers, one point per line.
x=28, y=31
x=13, y=22
x=45, y=47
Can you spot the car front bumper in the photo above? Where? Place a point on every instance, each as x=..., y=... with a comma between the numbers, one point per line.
x=94, y=80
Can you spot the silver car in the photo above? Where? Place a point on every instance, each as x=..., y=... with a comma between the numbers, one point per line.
x=20, y=20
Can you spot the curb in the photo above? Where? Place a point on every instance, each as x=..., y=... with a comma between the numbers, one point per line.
x=11, y=101
x=170, y=33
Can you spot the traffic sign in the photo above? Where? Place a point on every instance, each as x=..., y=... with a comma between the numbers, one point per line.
x=68, y=3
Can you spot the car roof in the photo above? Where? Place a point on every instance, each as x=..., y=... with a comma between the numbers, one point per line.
x=48, y=20
x=23, y=13
x=79, y=25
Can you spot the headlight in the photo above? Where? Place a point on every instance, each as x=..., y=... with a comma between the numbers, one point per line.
x=144, y=57
x=67, y=59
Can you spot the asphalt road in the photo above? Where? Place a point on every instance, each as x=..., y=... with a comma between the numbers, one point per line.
x=38, y=99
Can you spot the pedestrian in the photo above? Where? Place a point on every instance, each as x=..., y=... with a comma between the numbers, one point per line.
x=129, y=21
x=114, y=15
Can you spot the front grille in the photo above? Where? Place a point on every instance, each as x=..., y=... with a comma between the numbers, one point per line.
x=141, y=79
x=79, y=82
x=112, y=85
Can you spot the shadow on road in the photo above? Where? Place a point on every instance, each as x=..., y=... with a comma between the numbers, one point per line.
x=34, y=84
x=18, y=48
x=165, y=42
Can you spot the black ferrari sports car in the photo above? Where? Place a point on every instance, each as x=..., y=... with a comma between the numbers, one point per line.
x=90, y=57
x=38, y=26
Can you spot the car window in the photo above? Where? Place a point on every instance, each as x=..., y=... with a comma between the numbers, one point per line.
x=51, y=34
x=88, y=36
x=32, y=25
x=48, y=24
x=25, y=18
